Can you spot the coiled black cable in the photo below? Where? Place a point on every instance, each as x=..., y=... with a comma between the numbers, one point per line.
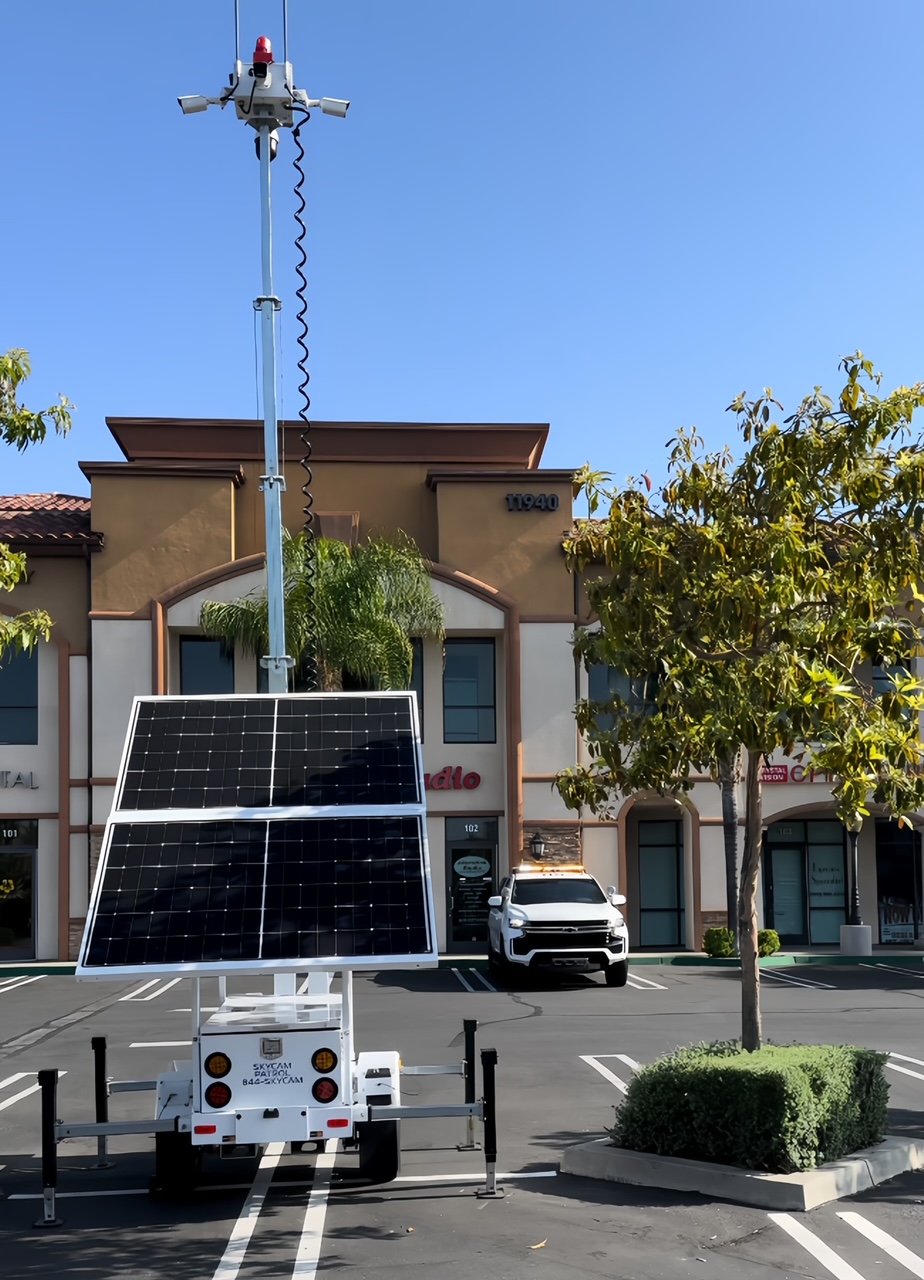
x=309, y=660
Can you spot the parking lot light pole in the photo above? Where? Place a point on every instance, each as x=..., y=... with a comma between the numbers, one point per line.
x=854, y=827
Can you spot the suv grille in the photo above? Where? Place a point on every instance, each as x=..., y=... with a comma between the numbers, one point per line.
x=550, y=938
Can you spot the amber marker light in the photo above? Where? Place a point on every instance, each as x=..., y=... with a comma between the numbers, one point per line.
x=217, y=1065
x=324, y=1060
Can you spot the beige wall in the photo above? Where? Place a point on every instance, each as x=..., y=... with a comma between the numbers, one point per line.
x=122, y=665
x=518, y=552
x=60, y=586
x=159, y=530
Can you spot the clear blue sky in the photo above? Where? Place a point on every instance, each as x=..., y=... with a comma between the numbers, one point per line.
x=610, y=215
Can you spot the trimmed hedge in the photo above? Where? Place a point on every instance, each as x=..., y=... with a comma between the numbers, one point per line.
x=768, y=942
x=721, y=942
x=782, y=1109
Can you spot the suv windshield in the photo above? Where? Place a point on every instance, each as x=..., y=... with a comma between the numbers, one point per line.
x=532, y=892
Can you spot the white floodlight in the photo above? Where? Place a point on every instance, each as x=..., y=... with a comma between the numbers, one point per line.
x=334, y=107
x=189, y=106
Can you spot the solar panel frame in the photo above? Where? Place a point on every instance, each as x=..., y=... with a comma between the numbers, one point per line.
x=274, y=817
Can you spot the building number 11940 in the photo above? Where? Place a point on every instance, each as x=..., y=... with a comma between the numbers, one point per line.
x=532, y=501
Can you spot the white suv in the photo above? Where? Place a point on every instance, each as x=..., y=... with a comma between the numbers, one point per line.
x=558, y=917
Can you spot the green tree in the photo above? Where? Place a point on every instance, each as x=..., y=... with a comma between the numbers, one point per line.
x=355, y=608
x=759, y=594
x=21, y=427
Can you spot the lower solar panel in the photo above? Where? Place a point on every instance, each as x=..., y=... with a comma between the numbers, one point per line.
x=258, y=892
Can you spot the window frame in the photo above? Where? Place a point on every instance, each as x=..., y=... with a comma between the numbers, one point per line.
x=477, y=706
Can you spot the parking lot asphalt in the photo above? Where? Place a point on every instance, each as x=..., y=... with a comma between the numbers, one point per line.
x=566, y=1052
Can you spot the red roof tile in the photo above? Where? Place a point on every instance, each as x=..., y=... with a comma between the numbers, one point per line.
x=46, y=518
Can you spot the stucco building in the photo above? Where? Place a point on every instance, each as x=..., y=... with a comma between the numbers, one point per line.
x=180, y=521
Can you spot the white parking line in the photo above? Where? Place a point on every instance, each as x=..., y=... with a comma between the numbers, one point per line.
x=605, y=1071
x=483, y=980
x=309, y=1244
x=792, y=981
x=242, y=1230
x=20, y=1075
x=23, y=1093
x=19, y=982
x=630, y=1062
x=884, y=1241
x=821, y=1252
x=132, y=995
x=903, y=1057
x=905, y=1071
x=893, y=968
x=159, y=1044
x=464, y=981
x=474, y=1177
x=635, y=978
x=160, y=990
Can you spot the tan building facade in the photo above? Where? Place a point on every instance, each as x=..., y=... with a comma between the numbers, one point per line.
x=181, y=521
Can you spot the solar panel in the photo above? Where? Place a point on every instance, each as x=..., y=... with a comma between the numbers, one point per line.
x=265, y=832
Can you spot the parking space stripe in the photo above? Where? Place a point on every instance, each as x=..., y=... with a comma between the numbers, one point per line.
x=630, y=1062
x=476, y=1177
x=885, y=1242
x=243, y=1229
x=605, y=1071
x=483, y=980
x=821, y=1252
x=20, y=982
x=132, y=995
x=464, y=981
x=24, y=1093
x=905, y=1071
x=20, y=1075
x=635, y=978
x=893, y=968
x=903, y=1057
x=792, y=981
x=309, y=1243
x=161, y=990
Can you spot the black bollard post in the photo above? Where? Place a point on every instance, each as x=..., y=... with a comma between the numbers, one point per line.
x=470, y=1027
x=101, y=1093
x=48, y=1083
x=488, y=1064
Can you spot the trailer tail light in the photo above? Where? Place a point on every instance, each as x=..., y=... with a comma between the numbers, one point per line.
x=324, y=1090
x=217, y=1065
x=324, y=1060
x=338, y=1124
x=205, y=1128
x=218, y=1095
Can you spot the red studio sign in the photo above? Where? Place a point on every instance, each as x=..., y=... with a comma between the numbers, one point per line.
x=452, y=779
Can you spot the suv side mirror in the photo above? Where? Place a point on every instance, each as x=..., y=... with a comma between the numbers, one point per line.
x=494, y=900
x=617, y=899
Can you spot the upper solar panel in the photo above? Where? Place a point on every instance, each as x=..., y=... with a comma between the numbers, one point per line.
x=265, y=832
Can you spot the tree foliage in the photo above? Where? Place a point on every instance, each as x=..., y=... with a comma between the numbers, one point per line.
x=356, y=606
x=756, y=596
x=21, y=427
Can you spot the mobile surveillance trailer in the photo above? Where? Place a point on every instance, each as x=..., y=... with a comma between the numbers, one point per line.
x=270, y=835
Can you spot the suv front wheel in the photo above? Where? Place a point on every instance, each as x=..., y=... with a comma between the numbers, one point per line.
x=617, y=974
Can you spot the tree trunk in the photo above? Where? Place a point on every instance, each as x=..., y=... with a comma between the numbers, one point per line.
x=747, y=907
x=728, y=780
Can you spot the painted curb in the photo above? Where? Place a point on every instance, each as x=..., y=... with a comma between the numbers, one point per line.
x=781, y=1191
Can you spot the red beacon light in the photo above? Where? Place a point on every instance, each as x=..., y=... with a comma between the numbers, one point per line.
x=262, y=56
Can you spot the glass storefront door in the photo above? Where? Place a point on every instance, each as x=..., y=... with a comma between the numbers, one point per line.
x=660, y=884
x=898, y=880
x=471, y=873
x=805, y=887
x=18, y=843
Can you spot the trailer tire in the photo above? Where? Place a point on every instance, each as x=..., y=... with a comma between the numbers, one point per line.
x=379, y=1150
x=177, y=1166
x=617, y=974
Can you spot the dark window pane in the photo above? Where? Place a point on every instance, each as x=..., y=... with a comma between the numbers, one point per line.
x=469, y=692
x=19, y=698
x=206, y=666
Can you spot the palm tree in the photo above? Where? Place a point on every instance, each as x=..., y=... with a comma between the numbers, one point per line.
x=351, y=609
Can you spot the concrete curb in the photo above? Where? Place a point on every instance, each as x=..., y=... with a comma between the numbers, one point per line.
x=781, y=1191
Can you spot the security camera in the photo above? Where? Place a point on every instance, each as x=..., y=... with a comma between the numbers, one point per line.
x=189, y=106
x=334, y=107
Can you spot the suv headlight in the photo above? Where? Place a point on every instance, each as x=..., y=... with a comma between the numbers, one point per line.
x=517, y=919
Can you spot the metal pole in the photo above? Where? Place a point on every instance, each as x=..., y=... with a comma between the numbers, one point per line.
x=273, y=484
x=469, y=1027
x=48, y=1083
x=855, y=917
x=101, y=1093
x=488, y=1064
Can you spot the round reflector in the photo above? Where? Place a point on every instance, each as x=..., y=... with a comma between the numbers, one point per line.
x=324, y=1090
x=217, y=1065
x=218, y=1095
x=324, y=1060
